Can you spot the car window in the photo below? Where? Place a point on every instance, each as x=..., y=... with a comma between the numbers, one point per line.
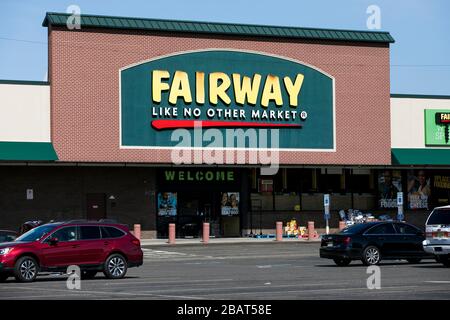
x=385, y=228
x=111, y=232
x=64, y=234
x=354, y=229
x=89, y=232
x=439, y=216
x=36, y=233
x=6, y=237
x=405, y=229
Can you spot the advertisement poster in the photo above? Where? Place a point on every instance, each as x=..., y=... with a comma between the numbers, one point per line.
x=419, y=190
x=229, y=203
x=389, y=183
x=167, y=204
x=437, y=129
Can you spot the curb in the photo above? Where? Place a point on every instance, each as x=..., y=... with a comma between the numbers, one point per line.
x=197, y=242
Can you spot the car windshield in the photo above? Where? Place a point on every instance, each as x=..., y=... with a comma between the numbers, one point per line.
x=440, y=216
x=36, y=233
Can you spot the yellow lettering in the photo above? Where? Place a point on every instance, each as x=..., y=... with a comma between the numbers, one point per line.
x=200, y=87
x=180, y=88
x=157, y=85
x=271, y=91
x=293, y=89
x=247, y=90
x=217, y=90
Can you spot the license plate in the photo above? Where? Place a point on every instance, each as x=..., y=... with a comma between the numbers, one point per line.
x=329, y=244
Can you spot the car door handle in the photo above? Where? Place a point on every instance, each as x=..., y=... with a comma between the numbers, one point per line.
x=106, y=243
x=75, y=246
x=381, y=238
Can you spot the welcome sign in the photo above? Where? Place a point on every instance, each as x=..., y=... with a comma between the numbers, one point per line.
x=224, y=90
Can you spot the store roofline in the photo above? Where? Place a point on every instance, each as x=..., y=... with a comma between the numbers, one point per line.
x=419, y=96
x=185, y=26
x=25, y=82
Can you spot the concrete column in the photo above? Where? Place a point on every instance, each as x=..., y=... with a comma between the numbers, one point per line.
x=137, y=231
x=279, y=236
x=171, y=233
x=310, y=230
x=205, y=232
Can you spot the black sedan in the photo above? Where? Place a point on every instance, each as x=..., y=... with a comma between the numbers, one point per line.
x=371, y=242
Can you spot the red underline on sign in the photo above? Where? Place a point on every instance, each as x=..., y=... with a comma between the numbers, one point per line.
x=186, y=124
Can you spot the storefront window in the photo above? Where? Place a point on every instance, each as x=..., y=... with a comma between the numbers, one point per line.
x=389, y=184
x=330, y=182
x=418, y=189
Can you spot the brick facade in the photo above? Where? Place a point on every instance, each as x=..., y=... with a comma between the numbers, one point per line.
x=84, y=74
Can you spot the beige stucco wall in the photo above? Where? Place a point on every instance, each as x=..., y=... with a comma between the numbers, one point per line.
x=24, y=113
x=407, y=120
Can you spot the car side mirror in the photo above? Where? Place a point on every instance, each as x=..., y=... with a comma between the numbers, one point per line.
x=53, y=241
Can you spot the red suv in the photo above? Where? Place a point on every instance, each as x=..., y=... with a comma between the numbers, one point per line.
x=93, y=246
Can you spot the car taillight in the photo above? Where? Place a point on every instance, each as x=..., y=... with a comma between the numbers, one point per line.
x=347, y=240
x=136, y=242
x=429, y=234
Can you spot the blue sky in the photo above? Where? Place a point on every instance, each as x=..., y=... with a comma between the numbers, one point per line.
x=420, y=57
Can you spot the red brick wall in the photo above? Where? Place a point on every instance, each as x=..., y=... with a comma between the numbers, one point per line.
x=84, y=75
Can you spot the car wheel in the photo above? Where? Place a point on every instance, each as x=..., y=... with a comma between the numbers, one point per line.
x=88, y=274
x=371, y=256
x=25, y=269
x=414, y=260
x=3, y=277
x=342, y=262
x=115, y=266
x=445, y=261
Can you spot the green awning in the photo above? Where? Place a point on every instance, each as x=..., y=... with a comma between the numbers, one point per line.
x=27, y=151
x=420, y=156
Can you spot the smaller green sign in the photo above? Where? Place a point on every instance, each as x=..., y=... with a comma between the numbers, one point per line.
x=437, y=127
x=199, y=176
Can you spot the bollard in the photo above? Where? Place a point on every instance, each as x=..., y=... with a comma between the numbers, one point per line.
x=137, y=231
x=205, y=232
x=171, y=233
x=342, y=225
x=310, y=230
x=279, y=231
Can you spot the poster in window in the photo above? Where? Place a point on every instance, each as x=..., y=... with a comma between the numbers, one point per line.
x=229, y=204
x=419, y=190
x=167, y=204
x=389, y=183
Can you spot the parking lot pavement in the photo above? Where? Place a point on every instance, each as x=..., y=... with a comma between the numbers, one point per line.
x=260, y=271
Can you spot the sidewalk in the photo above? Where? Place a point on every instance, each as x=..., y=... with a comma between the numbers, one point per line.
x=243, y=240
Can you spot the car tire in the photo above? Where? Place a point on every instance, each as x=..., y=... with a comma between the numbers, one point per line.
x=88, y=274
x=342, y=262
x=115, y=266
x=445, y=261
x=3, y=277
x=26, y=269
x=371, y=256
x=414, y=260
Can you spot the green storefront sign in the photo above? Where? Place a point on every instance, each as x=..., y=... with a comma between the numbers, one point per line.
x=227, y=90
x=437, y=126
